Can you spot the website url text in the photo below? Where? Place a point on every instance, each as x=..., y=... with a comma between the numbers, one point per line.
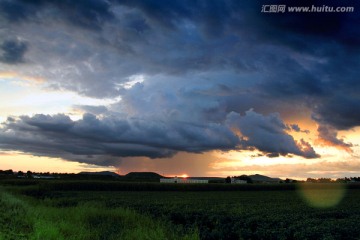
x=308, y=9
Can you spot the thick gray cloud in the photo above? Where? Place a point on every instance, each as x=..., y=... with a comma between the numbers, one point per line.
x=268, y=134
x=89, y=14
x=92, y=138
x=328, y=135
x=198, y=60
x=12, y=51
x=59, y=136
x=339, y=111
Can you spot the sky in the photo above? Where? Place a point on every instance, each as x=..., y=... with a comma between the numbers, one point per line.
x=196, y=87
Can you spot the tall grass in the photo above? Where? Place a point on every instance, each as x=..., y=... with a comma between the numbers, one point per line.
x=25, y=218
x=14, y=221
x=93, y=221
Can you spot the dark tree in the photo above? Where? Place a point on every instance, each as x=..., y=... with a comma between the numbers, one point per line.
x=228, y=180
x=311, y=180
x=9, y=172
x=29, y=174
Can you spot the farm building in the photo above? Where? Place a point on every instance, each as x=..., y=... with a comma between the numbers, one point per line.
x=182, y=180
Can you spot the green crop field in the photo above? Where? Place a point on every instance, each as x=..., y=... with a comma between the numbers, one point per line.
x=111, y=210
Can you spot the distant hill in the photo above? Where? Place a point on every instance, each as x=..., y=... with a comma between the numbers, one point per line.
x=262, y=178
x=103, y=173
x=143, y=175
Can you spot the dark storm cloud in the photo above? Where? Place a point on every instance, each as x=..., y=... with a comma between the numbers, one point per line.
x=188, y=44
x=16, y=10
x=199, y=61
x=166, y=13
x=292, y=80
x=211, y=16
x=339, y=111
x=267, y=134
x=304, y=31
x=12, y=51
x=90, y=14
x=92, y=138
x=110, y=136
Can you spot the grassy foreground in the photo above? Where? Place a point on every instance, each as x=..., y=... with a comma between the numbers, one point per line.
x=112, y=210
x=25, y=218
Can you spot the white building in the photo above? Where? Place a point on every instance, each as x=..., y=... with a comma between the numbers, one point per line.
x=182, y=180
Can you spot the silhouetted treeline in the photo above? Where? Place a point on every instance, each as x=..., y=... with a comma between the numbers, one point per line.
x=329, y=180
x=6, y=172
